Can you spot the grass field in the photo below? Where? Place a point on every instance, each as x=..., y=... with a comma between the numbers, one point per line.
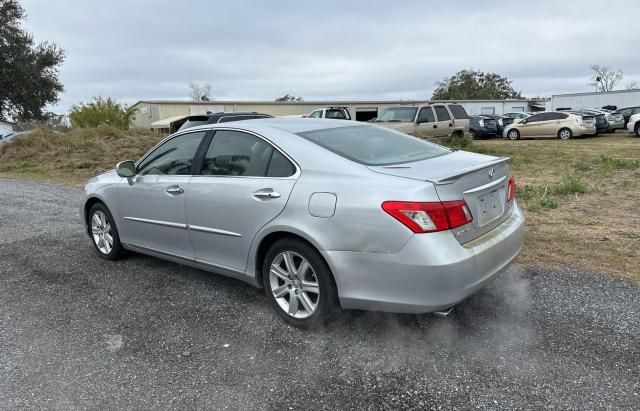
x=581, y=197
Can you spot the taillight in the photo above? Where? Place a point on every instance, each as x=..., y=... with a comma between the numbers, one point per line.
x=429, y=217
x=511, y=189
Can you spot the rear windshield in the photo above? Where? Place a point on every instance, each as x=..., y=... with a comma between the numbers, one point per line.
x=398, y=114
x=458, y=112
x=373, y=146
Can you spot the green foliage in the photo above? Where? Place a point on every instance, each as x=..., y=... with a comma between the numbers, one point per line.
x=474, y=85
x=459, y=141
x=287, y=98
x=619, y=163
x=101, y=112
x=28, y=71
x=535, y=197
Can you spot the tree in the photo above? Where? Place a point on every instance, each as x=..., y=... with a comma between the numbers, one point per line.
x=287, y=98
x=200, y=92
x=474, y=85
x=28, y=71
x=604, y=79
x=101, y=111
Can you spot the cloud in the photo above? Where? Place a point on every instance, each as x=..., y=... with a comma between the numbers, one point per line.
x=133, y=50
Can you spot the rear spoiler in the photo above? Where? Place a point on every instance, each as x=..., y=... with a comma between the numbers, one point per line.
x=450, y=178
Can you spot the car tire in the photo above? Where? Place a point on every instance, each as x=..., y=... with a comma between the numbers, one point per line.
x=472, y=134
x=637, y=129
x=565, y=134
x=104, y=233
x=513, y=134
x=283, y=283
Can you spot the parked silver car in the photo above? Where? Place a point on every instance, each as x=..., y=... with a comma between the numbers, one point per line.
x=321, y=213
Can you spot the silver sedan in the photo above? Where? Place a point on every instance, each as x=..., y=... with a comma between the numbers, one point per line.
x=324, y=214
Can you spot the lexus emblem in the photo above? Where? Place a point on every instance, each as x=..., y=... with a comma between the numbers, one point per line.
x=492, y=173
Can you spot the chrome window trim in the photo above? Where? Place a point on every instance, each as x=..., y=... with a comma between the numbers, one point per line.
x=294, y=176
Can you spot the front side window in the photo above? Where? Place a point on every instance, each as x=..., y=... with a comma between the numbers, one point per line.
x=537, y=117
x=442, y=113
x=174, y=157
x=234, y=153
x=316, y=114
x=398, y=114
x=374, y=146
x=458, y=112
x=426, y=115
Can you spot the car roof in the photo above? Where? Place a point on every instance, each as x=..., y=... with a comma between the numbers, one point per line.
x=291, y=125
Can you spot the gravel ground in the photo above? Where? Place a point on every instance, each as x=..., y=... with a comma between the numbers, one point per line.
x=80, y=332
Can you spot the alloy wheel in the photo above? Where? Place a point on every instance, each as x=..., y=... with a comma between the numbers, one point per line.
x=294, y=284
x=513, y=135
x=101, y=232
x=565, y=134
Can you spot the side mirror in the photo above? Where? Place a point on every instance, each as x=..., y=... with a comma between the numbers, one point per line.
x=126, y=169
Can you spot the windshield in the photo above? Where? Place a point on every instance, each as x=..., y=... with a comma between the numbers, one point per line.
x=373, y=146
x=401, y=114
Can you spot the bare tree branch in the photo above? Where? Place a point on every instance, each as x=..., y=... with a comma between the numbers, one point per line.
x=200, y=92
x=604, y=79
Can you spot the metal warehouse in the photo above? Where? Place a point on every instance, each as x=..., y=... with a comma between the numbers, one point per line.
x=157, y=114
x=618, y=98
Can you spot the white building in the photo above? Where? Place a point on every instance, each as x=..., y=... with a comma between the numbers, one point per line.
x=157, y=114
x=618, y=98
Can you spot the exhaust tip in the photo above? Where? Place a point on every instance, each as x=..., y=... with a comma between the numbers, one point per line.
x=443, y=313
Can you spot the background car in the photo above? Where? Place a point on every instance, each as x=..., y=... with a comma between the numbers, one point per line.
x=12, y=136
x=482, y=127
x=626, y=113
x=634, y=124
x=299, y=217
x=213, y=118
x=333, y=112
x=602, y=125
x=552, y=124
x=615, y=120
x=424, y=121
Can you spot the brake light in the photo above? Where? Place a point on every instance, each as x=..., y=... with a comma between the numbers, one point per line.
x=429, y=217
x=511, y=189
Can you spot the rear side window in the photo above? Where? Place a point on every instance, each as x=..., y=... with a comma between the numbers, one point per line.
x=458, y=112
x=374, y=146
x=234, y=153
x=442, y=113
x=337, y=114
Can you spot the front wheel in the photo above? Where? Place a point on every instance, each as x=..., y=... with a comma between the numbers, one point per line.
x=565, y=134
x=299, y=284
x=513, y=134
x=637, y=129
x=104, y=233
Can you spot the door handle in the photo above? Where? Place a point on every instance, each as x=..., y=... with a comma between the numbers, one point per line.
x=450, y=124
x=175, y=190
x=266, y=194
x=435, y=126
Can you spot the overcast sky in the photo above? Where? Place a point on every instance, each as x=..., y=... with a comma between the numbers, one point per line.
x=393, y=49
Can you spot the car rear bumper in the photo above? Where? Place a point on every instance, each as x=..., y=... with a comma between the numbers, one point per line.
x=432, y=272
x=584, y=131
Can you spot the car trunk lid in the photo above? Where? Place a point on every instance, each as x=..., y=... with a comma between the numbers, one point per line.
x=482, y=181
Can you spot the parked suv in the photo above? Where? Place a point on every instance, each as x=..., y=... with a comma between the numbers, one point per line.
x=212, y=118
x=552, y=124
x=429, y=120
x=482, y=127
x=336, y=113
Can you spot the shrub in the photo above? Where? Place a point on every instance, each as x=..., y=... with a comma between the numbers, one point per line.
x=458, y=140
x=101, y=111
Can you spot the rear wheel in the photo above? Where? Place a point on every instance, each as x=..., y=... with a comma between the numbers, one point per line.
x=637, y=129
x=472, y=134
x=565, y=134
x=299, y=284
x=513, y=134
